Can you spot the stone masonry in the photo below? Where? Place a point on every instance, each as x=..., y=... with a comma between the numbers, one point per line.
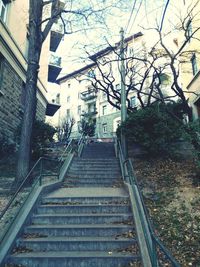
x=12, y=101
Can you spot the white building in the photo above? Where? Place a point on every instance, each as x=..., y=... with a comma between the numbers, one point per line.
x=80, y=99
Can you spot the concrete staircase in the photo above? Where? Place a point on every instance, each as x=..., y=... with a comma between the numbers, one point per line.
x=87, y=222
x=98, y=167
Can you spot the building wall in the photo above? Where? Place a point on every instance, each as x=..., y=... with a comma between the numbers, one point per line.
x=13, y=65
x=12, y=101
x=106, y=122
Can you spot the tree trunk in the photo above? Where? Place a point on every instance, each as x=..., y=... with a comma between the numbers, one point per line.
x=35, y=44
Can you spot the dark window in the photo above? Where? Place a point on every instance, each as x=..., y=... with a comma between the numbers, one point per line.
x=133, y=101
x=104, y=126
x=58, y=99
x=104, y=110
x=91, y=108
x=91, y=74
x=79, y=110
x=68, y=113
x=117, y=87
x=194, y=64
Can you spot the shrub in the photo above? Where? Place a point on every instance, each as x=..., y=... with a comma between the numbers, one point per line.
x=6, y=147
x=42, y=135
x=87, y=127
x=153, y=128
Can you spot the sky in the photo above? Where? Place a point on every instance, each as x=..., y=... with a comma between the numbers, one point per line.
x=139, y=13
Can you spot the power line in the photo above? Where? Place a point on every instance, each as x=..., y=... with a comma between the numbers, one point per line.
x=163, y=16
x=134, y=4
x=135, y=16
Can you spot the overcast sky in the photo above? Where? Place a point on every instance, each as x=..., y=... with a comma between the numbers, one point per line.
x=139, y=13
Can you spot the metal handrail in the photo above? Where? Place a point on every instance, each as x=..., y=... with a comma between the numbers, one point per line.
x=37, y=180
x=19, y=188
x=152, y=241
x=65, y=150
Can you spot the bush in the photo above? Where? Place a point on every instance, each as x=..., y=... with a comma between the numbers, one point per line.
x=88, y=127
x=42, y=135
x=6, y=147
x=153, y=128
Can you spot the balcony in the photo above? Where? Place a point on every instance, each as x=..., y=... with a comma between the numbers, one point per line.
x=51, y=109
x=54, y=68
x=89, y=113
x=88, y=95
x=56, y=36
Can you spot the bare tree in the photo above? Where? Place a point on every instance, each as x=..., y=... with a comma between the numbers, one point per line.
x=75, y=16
x=64, y=129
x=154, y=74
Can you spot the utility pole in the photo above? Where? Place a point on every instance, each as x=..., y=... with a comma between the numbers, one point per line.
x=123, y=92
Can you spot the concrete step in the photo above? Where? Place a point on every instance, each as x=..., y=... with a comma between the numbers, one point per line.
x=90, y=177
x=78, y=230
x=80, y=218
x=83, y=208
x=86, y=200
x=93, y=160
x=76, y=243
x=75, y=259
x=100, y=172
x=90, y=184
x=99, y=165
x=93, y=154
x=89, y=168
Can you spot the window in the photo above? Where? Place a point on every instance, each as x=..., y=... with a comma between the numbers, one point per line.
x=91, y=74
x=117, y=87
x=133, y=101
x=104, y=128
x=131, y=52
x=189, y=30
x=91, y=108
x=79, y=110
x=194, y=64
x=3, y=10
x=104, y=94
x=68, y=113
x=104, y=110
x=58, y=99
x=117, y=104
x=79, y=125
x=68, y=99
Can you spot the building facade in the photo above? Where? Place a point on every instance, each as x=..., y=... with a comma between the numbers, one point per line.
x=81, y=100
x=190, y=61
x=14, y=42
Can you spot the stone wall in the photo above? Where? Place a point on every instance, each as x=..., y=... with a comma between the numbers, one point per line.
x=12, y=101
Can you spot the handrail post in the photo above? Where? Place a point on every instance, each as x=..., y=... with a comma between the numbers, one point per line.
x=41, y=170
